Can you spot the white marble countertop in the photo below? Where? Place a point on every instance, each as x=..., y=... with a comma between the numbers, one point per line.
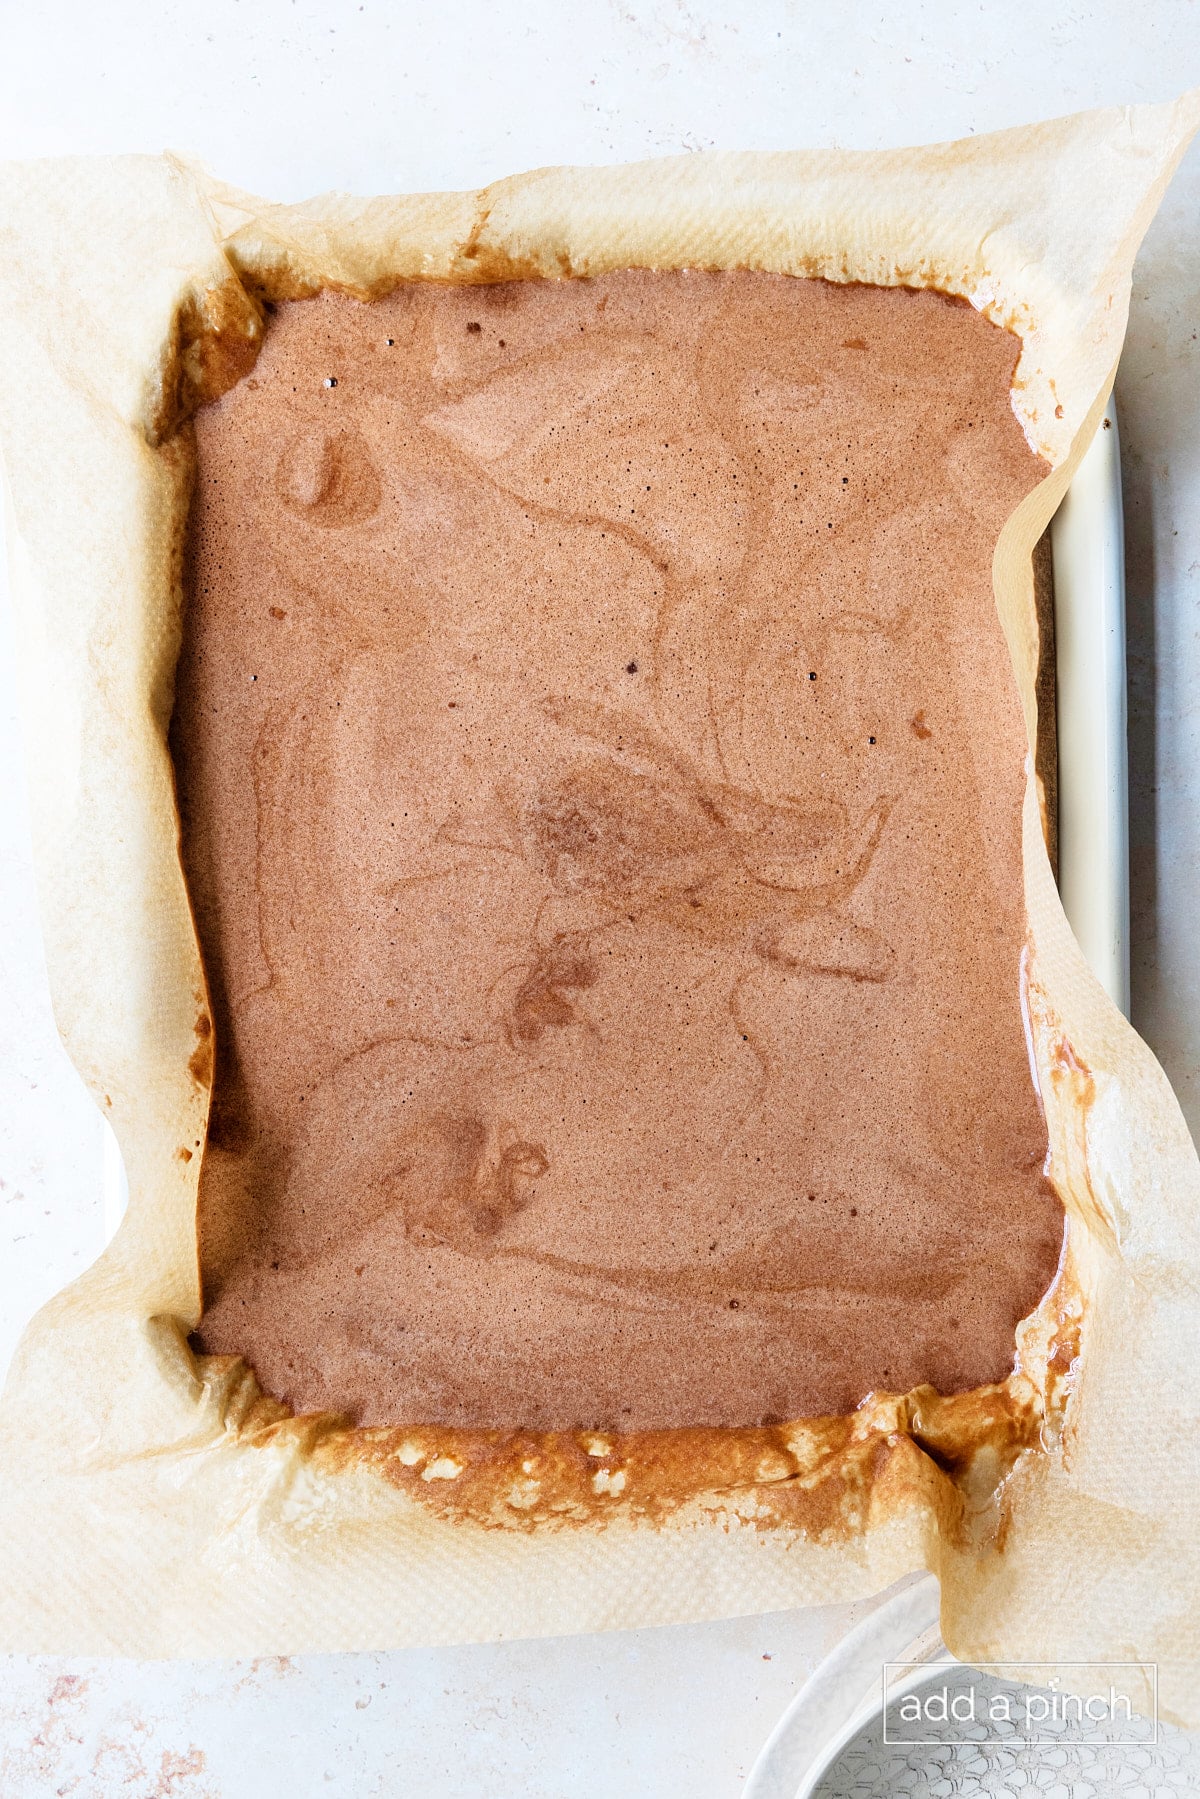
x=288, y=97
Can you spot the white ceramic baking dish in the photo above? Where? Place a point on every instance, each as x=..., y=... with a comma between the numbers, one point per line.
x=845, y=1694
x=1088, y=543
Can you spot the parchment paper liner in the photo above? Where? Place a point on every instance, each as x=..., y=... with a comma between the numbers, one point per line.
x=157, y=1504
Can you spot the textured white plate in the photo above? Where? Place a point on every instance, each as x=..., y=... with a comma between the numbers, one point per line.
x=829, y=1743
x=845, y=1693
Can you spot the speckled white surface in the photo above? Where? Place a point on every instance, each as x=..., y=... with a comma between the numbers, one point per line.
x=288, y=97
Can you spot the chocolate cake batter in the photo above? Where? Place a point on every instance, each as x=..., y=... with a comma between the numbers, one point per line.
x=600, y=774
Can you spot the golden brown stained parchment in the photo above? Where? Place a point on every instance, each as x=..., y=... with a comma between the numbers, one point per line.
x=156, y=1504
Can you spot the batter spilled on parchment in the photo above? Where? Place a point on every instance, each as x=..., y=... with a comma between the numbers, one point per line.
x=600, y=773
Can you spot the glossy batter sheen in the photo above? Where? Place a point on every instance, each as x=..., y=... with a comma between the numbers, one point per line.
x=600, y=772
